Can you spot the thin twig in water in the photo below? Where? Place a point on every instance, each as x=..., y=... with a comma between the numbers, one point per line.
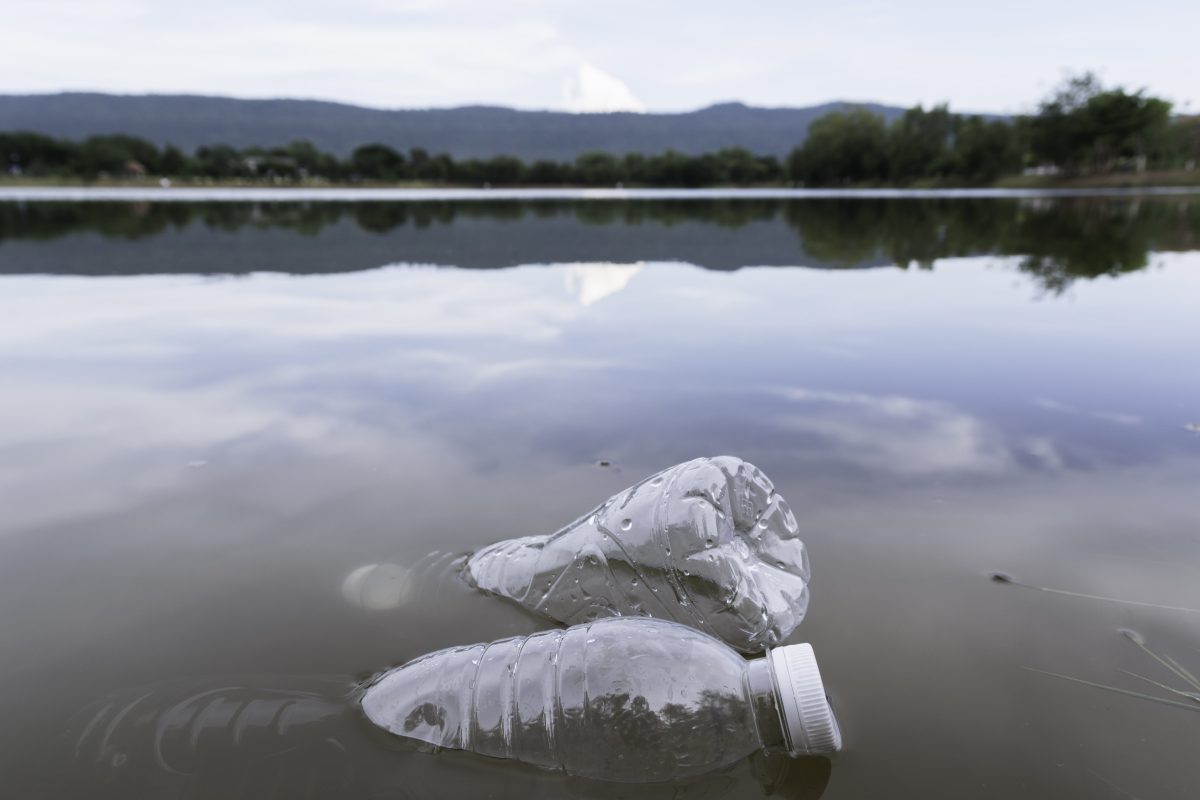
x=1000, y=577
x=1189, y=695
x=1171, y=664
x=1141, y=695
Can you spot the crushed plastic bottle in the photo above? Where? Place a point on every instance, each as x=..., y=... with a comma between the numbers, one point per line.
x=630, y=700
x=304, y=737
x=707, y=543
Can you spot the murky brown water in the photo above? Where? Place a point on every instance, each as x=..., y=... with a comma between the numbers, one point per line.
x=214, y=413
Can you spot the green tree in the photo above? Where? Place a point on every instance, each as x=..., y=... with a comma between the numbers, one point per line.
x=503, y=171
x=219, y=162
x=1084, y=127
x=25, y=152
x=115, y=154
x=173, y=162
x=739, y=166
x=548, y=173
x=984, y=150
x=378, y=162
x=599, y=169
x=842, y=147
x=921, y=145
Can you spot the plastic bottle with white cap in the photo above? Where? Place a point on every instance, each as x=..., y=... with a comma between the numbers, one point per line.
x=621, y=699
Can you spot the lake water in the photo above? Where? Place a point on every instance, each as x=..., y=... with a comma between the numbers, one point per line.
x=216, y=411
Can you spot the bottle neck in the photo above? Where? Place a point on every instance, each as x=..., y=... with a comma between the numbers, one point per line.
x=764, y=700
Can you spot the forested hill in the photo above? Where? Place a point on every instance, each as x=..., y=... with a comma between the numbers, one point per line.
x=190, y=121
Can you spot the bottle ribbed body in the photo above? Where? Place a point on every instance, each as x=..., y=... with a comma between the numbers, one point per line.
x=707, y=543
x=617, y=699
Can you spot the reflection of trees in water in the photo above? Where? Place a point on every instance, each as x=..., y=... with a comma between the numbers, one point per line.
x=637, y=739
x=1111, y=239
x=1060, y=239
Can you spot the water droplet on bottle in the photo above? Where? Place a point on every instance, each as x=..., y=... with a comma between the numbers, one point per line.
x=633, y=582
x=656, y=480
x=762, y=523
x=595, y=520
x=626, y=524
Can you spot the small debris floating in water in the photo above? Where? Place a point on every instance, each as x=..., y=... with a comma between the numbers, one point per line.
x=1003, y=577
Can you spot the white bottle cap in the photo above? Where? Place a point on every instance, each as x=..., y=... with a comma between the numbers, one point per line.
x=809, y=722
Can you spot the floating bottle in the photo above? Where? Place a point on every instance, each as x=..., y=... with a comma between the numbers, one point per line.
x=707, y=543
x=628, y=699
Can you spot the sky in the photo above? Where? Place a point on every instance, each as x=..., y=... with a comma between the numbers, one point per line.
x=577, y=55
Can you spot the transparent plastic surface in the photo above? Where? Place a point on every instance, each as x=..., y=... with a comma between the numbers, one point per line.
x=632, y=700
x=707, y=543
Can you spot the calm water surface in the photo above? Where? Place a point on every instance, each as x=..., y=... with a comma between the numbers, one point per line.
x=213, y=413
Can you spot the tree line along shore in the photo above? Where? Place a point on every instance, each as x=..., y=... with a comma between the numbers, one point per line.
x=1083, y=133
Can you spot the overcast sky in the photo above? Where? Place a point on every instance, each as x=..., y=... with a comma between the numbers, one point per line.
x=601, y=54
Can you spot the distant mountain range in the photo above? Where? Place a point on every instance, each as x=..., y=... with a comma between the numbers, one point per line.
x=189, y=121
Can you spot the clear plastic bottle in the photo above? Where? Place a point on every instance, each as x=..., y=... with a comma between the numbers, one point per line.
x=631, y=700
x=707, y=543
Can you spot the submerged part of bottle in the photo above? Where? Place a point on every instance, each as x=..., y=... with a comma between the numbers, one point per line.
x=708, y=543
x=633, y=700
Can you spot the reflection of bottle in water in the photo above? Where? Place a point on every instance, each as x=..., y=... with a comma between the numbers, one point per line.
x=228, y=740
x=617, y=699
x=708, y=543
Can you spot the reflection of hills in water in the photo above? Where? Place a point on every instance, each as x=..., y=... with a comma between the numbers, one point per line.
x=1058, y=239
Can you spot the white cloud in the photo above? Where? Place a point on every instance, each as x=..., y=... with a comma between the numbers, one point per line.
x=591, y=89
x=909, y=436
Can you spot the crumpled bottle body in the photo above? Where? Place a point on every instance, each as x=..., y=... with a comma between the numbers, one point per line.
x=627, y=700
x=707, y=543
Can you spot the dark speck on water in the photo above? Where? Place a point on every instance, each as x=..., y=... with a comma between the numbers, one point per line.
x=375, y=388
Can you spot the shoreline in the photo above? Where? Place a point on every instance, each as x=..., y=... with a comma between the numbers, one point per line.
x=129, y=192
x=1154, y=181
